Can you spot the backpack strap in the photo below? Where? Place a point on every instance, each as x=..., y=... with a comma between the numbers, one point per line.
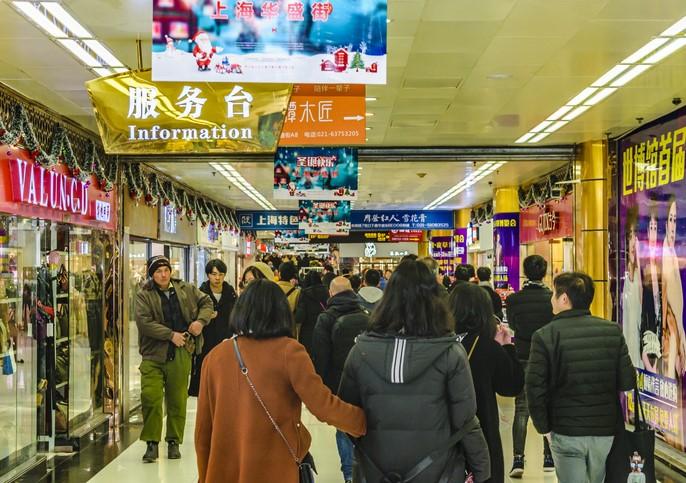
x=427, y=461
x=288, y=294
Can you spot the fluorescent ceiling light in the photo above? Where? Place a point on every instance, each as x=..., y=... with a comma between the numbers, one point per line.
x=600, y=96
x=645, y=50
x=539, y=137
x=370, y=99
x=102, y=71
x=120, y=70
x=576, y=113
x=31, y=11
x=67, y=20
x=631, y=75
x=103, y=53
x=675, y=29
x=610, y=74
x=582, y=96
x=75, y=48
x=666, y=51
x=556, y=126
x=525, y=138
x=542, y=126
x=369, y=114
x=560, y=112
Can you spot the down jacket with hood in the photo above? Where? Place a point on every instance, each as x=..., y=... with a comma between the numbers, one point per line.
x=416, y=393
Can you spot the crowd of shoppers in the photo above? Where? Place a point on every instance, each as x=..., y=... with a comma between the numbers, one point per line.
x=406, y=369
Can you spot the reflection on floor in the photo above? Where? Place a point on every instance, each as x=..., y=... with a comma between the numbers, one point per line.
x=128, y=466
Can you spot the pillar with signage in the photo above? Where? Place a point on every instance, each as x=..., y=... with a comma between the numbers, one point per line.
x=462, y=219
x=442, y=250
x=506, y=240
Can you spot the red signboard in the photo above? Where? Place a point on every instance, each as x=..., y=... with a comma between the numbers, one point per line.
x=406, y=235
x=30, y=190
x=553, y=220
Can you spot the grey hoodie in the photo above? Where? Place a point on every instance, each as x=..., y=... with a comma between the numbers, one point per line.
x=370, y=296
x=416, y=393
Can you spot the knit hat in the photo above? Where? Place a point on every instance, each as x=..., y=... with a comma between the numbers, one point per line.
x=156, y=262
x=266, y=271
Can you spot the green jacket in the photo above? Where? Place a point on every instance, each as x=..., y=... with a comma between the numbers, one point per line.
x=154, y=335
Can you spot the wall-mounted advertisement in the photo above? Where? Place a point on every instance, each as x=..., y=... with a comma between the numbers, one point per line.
x=652, y=267
x=506, y=246
x=290, y=236
x=442, y=251
x=460, y=246
x=316, y=173
x=324, y=217
x=297, y=41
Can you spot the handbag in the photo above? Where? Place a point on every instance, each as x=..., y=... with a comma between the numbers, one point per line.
x=306, y=468
x=633, y=452
x=9, y=365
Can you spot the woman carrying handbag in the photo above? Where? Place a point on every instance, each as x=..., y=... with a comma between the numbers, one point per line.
x=252, y=388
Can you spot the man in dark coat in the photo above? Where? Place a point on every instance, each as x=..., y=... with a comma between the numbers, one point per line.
x=484, y=276
x=334, y=335
x=223, y=297
x=577, y=367
x=464, y=273
x=312, y=302
x=527, y=311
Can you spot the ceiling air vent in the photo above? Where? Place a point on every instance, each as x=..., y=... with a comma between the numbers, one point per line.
x=431, y=83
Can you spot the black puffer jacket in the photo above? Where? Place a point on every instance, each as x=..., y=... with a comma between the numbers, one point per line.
x=578, y=365
x=216, y=331
x=330, y=343
x=415, y=393
x=312, y=303
x=527, y=311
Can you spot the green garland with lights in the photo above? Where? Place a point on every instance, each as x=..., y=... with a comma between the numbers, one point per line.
x=19, y=132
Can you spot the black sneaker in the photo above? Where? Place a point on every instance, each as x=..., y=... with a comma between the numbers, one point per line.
x=151, y=453
x=173, y=452
x=548, y=463
x=517, y=467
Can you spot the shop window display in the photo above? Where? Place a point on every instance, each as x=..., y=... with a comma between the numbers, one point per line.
x=137, y=277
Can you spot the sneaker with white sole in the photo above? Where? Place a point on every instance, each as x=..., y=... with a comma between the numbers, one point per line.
x=517, y=467
x=548, y=463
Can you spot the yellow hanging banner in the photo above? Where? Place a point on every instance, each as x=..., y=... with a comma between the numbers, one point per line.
x=138, y=116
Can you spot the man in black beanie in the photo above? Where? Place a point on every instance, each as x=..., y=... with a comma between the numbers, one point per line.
x=170, y=315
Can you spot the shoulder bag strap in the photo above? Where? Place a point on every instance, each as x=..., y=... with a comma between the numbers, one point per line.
x=428, y=460
x=288, y=294
x=244, y=371
x=471, y=351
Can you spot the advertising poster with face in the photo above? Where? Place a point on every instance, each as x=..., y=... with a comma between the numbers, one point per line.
x=652, y=268
x=506, y=253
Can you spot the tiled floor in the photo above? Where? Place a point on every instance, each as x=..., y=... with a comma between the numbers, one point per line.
x=128, y=466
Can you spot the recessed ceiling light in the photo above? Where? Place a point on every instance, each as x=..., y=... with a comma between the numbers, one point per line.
x=525, y=138
x=582, y=96
x=539, y=137
x=560, y=112
x=603, y=94
x=368, y=128
x=499, y=76
x=645, y=50
x=666, y=51
x=542, y=126
x=631, y=75
x=675, y=29
x=555, y=126
x=39, y=18
x=369, y=114
x=67, y=20
x=610, y=74
x=75, y=48
x=576, y=113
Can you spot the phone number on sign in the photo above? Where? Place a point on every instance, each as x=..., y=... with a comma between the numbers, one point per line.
x=333, y=134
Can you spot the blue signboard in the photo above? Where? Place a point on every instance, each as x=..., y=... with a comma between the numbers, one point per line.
x=268, y=220
x=360, y=220
x=402, y=220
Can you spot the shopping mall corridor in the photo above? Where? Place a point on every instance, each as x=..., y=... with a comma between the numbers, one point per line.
x=128, y=467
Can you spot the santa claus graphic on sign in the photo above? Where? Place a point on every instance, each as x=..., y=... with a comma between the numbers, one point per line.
x=204, y=50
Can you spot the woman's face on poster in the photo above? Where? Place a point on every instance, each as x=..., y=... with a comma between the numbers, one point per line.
x=652, y=233
x=632, y=244
x=671, y=224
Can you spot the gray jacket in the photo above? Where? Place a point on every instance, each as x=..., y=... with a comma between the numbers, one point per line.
x=154, y=334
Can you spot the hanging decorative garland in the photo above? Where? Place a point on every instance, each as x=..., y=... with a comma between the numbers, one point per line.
x=482, y=214
x=19, y=130
x=542, y=191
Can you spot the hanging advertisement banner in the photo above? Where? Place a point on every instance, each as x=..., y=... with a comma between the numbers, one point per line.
x=460, y=246
x=652, y=268
x=138, y=116
x=316, y=173
x=326, y=217
x=506, y=257
x=294, y=41
x=554, y=219
x=442, y=251
x=325, y=115
x=402, y=220
x=290, y=236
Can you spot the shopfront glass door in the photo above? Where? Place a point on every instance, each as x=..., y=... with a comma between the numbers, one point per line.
x=138, y=255
x=178, y=257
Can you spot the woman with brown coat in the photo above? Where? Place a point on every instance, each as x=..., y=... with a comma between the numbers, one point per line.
x=234, y=439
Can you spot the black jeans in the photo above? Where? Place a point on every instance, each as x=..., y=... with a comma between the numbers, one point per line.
x=521, y=421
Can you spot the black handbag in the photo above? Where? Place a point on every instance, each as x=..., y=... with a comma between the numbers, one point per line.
x=633, y=452
x=306, y=466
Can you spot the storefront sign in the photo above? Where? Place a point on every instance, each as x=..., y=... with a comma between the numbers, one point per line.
x=443, y=252
x=268, y=220
x=30, y=190
x=381, y=250
x=460, y=246
x=553, y=220
x=270, y=41
x=316, y=173
x=327, y=217
x=652, y=267
x=402, y=220
x=506, y=245
x=395, y=236
x=138, y=116
x=325, y=115
x=175, y=228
